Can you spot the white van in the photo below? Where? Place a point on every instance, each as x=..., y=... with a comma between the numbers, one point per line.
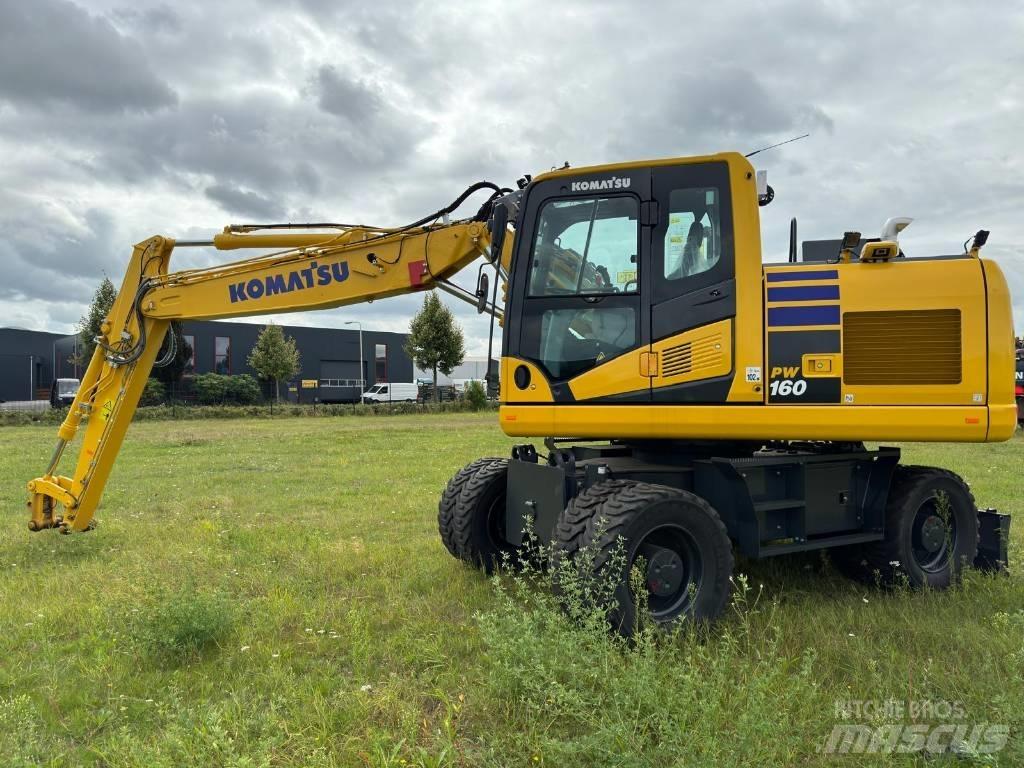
x=62, y=392
x=391, y=393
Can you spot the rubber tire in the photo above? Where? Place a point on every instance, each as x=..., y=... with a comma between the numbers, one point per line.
x=630, y=510
x=911, y=487
x=572, y=524
x=466, y=509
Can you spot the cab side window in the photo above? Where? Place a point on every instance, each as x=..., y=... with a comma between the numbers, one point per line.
x=693, y=240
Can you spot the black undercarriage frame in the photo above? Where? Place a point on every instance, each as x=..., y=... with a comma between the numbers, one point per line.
x=775, y=498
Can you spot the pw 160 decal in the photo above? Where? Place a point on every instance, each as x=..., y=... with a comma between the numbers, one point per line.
x=286, y=282
x=784, y=382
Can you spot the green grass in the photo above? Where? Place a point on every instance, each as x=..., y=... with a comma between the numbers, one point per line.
x=275, y=593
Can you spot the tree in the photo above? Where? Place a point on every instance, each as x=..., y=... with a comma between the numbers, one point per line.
x=89, y=325
x=275, y=357
x=476, y=395
x=172, y=372
x=435, y=340
x=154, y=393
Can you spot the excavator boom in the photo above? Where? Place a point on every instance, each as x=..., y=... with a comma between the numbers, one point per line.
x=304, y=271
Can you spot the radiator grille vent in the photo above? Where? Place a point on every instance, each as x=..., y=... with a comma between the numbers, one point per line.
x=902, y=347
x=692, y=356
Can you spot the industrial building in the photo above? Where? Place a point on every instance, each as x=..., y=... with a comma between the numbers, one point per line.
x=30, y=360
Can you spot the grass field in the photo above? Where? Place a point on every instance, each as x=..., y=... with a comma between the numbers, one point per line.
x=275, y=593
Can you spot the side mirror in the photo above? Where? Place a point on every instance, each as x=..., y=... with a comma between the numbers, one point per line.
x=482, y=284
x=498, y=226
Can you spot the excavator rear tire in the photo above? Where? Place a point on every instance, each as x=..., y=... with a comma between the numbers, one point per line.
x=931, y=533
x=471, y=514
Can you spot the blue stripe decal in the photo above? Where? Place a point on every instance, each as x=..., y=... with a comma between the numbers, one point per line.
x=804, y=293
x=783, y=316
x=790, y=276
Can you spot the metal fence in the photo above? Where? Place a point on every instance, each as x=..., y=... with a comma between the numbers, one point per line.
x=343, y=383
x=28, y=406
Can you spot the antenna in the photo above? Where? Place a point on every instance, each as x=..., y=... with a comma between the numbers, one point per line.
x=773, y=146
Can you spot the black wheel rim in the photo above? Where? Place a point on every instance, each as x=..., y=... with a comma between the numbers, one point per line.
x=933, y=535
x=496, y=523
x=673, y=571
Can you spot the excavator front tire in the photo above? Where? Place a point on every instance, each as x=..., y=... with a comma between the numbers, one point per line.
x=676, y=536
x=471, y=514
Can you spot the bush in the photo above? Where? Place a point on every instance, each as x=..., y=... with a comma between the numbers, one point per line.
x=244, y=390
x=665, y=692
x=154, y=393
x=217, y=389
x=211, y=388
x=476, y=395
x=176, y=627
x=179, y=412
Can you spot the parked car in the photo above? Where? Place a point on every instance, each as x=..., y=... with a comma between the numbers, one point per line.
x=392, y=393
x=63, y=391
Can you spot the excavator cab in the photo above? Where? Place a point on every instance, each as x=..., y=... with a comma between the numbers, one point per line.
x=625, y=288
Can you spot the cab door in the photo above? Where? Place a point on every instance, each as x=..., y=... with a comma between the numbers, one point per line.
x=692, y=284
x=578, y=301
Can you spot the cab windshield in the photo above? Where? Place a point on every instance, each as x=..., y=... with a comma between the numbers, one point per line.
x=586, y=246
x=581, y=305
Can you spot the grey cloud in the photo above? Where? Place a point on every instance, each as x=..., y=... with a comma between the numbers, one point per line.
x=734, y=102
x=44, y=258
x=709, y=108
x=213, y=50
x=54, y=315
x=54, y=51
x=348, y=98
x=161, y=19
x=245, y=203
x=264, y=142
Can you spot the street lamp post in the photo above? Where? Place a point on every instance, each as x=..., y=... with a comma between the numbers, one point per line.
x=362, y=381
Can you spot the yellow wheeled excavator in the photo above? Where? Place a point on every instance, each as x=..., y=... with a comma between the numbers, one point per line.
x=693, y=401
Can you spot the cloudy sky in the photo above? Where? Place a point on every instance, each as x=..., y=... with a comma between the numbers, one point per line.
x=120, y=119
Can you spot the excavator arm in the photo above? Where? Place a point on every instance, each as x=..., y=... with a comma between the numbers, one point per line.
x=334, y=266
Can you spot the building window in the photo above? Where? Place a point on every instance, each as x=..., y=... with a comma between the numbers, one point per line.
x=380, y=357
x=222, y=354
x=190, y=364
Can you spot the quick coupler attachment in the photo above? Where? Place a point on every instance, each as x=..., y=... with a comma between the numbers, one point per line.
x=42, y=511
x=45, y=494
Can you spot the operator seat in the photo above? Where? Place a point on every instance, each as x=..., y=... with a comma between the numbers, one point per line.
x=691, y=251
